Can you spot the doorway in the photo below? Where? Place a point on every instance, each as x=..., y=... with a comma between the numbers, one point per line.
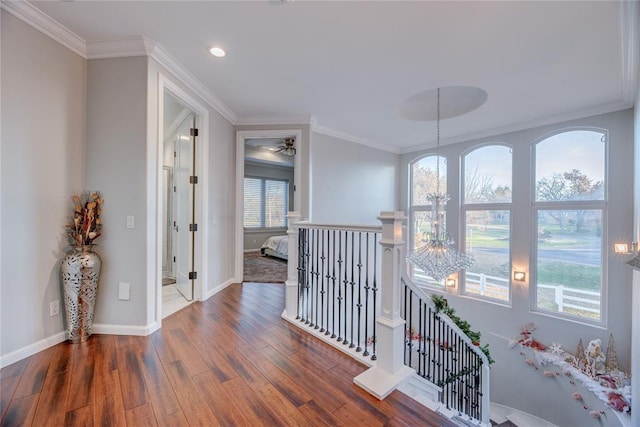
x=178, y=240
x=264, y=141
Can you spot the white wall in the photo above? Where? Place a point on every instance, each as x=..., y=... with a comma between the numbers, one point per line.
x=513, y=383
x=116, y=158
x=43, y=162
x=635, y=303
x=351, y=183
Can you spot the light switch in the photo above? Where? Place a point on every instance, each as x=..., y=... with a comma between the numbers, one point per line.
x=124, y=291
x=130, y=221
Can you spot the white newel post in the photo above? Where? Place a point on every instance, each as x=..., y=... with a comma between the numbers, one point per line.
x=389, y=371
x=291, y=285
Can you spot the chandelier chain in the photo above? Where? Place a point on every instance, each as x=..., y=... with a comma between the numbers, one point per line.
x=438, y=143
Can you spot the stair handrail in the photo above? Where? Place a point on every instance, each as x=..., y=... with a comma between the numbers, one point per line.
x=424, y=296
x=485, y=369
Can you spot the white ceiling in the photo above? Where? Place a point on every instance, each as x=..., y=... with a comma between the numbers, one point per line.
x=349, y=65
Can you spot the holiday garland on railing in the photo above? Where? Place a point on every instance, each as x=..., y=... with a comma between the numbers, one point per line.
x=442, y=305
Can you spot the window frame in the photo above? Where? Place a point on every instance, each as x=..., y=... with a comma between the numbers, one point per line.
x=570, y=205
x=483, y=207
x=413, y=209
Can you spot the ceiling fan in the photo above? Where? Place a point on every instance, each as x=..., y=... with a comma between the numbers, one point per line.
x=287, y=147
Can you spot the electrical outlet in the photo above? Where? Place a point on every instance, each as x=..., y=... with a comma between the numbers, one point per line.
x=54, y=308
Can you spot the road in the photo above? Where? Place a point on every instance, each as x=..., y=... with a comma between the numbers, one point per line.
x=576, y=256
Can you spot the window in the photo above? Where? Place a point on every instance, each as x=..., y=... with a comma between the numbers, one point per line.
x=487, y=221
x=266, y=203
x=569, y=209
x=423, y=182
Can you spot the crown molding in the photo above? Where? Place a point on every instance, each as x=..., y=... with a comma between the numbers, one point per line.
x=114, y=48
x=48, y=26
x=120, y=48
x=347, y=137
x=630, y=38
x=516, y=127
x=285, y=120
x=179, y=71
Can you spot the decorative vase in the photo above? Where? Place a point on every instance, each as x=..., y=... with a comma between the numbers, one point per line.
x=80, y=274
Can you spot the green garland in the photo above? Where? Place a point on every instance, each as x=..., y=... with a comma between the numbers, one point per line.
x=442, y=305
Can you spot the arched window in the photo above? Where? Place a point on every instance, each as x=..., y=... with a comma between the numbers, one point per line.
x=486, y=212
x=569, y=212
x=423, y=181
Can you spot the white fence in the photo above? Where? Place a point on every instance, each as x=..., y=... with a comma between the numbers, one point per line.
x=564, y=297
x=574, y=299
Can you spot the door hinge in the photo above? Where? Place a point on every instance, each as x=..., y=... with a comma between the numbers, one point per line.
x=174, y=188
x=194, y=131
x=193, y=275
x=174, y=259
x=175, y=154
x=193, y=179
x=193, y=227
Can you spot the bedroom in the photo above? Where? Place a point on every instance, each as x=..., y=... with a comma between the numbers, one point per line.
x=268, y=195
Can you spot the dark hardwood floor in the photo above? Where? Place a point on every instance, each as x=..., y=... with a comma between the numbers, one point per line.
x=230, y=361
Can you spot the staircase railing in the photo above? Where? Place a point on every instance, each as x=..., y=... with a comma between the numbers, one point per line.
x=348, y=286
x=337, y=292
x=443, y=354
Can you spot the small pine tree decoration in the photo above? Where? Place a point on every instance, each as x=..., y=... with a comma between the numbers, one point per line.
x=581, y=360
x=612, y=358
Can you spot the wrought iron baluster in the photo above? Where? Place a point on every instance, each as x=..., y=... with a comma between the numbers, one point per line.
x=333, y=281
x=447, y=369
x=339, y=286
x=323, y=283
x=440, y=347
x=375, y=291
x=403, y=313
x=301, y=238
x=408, y=327
x=307, y=268
x=366, y=303
x=425, y=341
x=430, y=368
x=309, y=278
x=359, y=305
x=353, y=287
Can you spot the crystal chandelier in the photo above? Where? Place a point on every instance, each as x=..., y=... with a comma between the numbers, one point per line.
x=439, y=257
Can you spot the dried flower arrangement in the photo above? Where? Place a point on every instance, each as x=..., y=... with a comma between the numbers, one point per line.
x=86, y=224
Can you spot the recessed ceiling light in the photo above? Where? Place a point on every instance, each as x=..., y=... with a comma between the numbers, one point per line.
x=217, y=52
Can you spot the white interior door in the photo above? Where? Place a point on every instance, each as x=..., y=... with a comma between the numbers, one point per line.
x=184, y=160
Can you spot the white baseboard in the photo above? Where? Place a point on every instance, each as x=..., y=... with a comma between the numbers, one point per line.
x=501, y=413
x=218, y=288
x=98, y=328
x=32, y=349
x=106, y=329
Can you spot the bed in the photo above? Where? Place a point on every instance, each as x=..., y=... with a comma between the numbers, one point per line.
x=276, y=246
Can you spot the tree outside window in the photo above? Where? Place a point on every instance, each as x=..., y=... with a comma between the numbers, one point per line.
x=487, y=221
x=570, y=208
x=424, y=182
